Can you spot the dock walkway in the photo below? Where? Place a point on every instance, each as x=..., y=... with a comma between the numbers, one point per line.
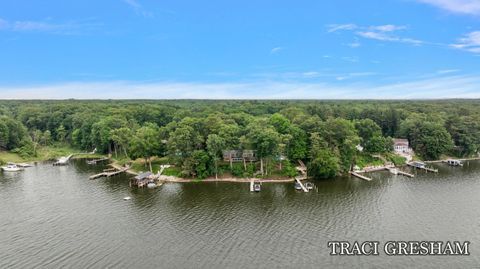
x=108, y=173
x=360, y=176
x=95, y=161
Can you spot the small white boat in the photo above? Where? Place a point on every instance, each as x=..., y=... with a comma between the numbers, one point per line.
x=257, y=187
x=393, y=171
x=24, y=165
x=309, y=186
x=454, y=162
x=11, y=167
x=298, y=187
x=151, y=185
x=127, y=198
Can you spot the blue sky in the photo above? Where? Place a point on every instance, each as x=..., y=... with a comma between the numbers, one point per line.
x=240, y=49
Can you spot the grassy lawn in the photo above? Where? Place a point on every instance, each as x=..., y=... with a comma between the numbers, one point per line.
x=43, y=154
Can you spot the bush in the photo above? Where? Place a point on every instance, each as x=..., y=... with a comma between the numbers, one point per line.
x=237, y=170
x=397, y=160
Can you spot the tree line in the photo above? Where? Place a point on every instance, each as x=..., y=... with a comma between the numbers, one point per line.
x=193, y=134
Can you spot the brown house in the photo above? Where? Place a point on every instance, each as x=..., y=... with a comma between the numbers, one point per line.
x=239, y=155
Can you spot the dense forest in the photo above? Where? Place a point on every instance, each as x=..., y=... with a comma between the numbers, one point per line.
x=193, y=134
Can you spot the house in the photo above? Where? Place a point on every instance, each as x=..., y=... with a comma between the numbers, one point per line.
x=401, y=146
x=239, y=155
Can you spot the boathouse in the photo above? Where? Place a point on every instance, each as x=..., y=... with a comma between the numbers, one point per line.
x=141, y=179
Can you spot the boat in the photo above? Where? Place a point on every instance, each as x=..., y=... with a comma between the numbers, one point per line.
x=298, y=187
x=91, y=162
x=393, y=171
x=127, y=198
x=418, y=164
x=257, y=187
x=309, y=186
x=11, y=167
x=24, y=165
x=151, y=185
x=454, y=162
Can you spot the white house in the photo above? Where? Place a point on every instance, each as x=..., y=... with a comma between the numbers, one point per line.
x=401, y=146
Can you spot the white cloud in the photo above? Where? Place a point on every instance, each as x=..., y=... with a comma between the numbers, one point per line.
x=387, y=28
x=447, y=71
x=431, y=88
x=276, y=50
x=340, y=27
x=386, y=33
x=471, y=7
x=138, y=8
x=381, y=36
x=469, y=42
x=46, y=26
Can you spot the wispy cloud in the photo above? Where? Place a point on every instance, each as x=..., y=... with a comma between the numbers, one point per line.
x=381, y=36
x=276, y=50
x=138, y=8
x=47, y=26
x=471, y=7
x=340, y=27
x=465, y=86
x=447, y=71
x=469, y=42
x=385, y=33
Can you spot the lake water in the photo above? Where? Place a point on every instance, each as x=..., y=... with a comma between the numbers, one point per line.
x=55, y=217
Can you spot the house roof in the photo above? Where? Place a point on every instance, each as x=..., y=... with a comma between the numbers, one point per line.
x=397, y=141
x=143, y=175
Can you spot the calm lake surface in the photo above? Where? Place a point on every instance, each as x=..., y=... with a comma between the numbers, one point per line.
x=55, y=217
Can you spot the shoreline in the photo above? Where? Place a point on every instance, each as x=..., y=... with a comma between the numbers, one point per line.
x=172, y=179
x=462, y=159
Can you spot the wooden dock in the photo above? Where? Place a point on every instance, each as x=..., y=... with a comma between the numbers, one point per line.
x=251, y=185
x=399, y=172
x=301, y=184
x=424, y=168
x=63, y=160
x=95, y=161
x=405, y=174
x=360, y=176
x=108, y=173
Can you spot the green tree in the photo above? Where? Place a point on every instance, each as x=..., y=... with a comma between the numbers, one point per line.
x=146, y=143
x=61, y=133
x=265, y=141
x=323, y=162
x=215, y=145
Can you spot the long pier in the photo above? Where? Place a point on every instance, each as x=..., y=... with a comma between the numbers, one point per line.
x=397, y=171
x=63, y=160
x=405, y=174
x=360, y=176
x=108, y=173
x=301, y=184
x=95, y=161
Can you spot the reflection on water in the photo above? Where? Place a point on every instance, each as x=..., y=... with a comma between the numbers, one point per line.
x=56, y=217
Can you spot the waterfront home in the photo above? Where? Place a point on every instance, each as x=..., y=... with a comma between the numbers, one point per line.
x=239, y=155
x=401, y=146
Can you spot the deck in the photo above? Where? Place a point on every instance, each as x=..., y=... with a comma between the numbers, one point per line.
x=360, y=176
x=108, y=173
